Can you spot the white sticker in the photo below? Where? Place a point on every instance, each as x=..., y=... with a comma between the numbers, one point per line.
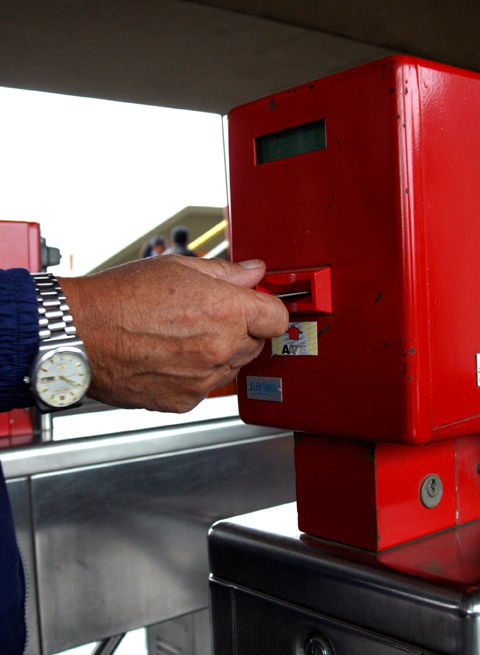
x=478, y=369
x=299, y=339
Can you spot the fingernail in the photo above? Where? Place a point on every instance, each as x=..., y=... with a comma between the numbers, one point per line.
x=251, y=263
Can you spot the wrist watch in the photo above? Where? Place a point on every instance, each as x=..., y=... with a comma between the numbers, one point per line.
x=61, y=372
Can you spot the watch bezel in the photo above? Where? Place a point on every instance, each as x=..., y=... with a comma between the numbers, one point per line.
x=44, y=355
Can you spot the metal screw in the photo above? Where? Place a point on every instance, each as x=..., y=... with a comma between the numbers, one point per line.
x=431, y=491
x=318, y=646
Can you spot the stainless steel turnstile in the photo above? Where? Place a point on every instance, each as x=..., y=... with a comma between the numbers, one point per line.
x=277, y=591
x=113, y=529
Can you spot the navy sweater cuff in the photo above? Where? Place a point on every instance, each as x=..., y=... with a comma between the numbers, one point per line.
x=18, y=336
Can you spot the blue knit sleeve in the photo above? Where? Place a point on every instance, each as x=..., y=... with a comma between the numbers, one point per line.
x=12, y=582
x=18, y=336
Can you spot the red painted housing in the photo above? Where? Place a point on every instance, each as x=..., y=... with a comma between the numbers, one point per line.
x=389, y=204
x=369, y=495
x=19, y=248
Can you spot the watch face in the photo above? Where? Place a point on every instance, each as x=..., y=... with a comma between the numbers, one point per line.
x=62, y=377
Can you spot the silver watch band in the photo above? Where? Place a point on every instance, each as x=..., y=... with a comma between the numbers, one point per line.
x=54, y=318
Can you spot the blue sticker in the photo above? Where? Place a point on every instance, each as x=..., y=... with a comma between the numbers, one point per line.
x=259, y=388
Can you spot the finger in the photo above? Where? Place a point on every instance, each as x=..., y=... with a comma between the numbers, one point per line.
x=252, y=348
x=266, y=316
x=244, y=274
x=224, y=377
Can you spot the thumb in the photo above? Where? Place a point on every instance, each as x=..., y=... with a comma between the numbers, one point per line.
x=248, y=273
x=243, y=274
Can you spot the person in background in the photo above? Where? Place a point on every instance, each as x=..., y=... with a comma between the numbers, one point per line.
x=179, y=238
x=159, y=334
x=155, y=246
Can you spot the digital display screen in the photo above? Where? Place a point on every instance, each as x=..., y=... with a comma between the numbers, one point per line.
x=291, y=142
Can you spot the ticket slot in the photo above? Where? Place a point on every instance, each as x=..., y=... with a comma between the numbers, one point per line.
x=304, y=291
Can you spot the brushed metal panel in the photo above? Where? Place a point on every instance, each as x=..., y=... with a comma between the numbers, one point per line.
x=123, y=545
x=18, y=491
x=267, y=626
x=55, y=456
x=424, y=593
x=184, y=635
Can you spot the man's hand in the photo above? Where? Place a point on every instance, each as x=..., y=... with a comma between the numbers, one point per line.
x=163, y=332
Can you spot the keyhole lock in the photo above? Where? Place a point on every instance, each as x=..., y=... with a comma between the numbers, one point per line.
x=431, y=491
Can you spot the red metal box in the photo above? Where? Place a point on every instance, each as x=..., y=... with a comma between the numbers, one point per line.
x=372, y=175
x=20, y=245
x=19, y=248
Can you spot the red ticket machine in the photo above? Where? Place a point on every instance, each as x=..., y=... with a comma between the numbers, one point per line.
x=360, y=192
x=21, y=246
